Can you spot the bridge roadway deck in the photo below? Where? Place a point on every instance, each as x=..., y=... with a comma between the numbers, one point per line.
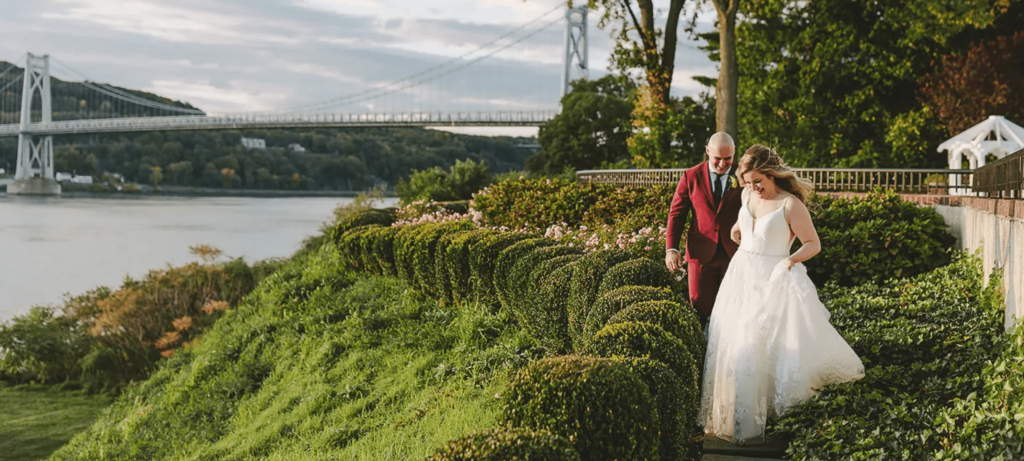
x=202, y=122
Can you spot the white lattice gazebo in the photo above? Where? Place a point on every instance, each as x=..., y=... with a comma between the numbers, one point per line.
x=996, y=135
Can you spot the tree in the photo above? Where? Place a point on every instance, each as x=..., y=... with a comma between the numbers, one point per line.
x=463, y=179
x=228, y=177
x=987, y=79
x=728, y=72
x=640, y=44
x=156, y=176
x=828, y=82
x=591, y=129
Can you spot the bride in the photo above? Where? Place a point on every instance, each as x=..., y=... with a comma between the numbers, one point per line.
x=770, y=344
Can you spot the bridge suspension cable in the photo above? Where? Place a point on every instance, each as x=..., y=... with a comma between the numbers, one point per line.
x=387, y=88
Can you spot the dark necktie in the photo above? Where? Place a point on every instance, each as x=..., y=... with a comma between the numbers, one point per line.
x=718, y=190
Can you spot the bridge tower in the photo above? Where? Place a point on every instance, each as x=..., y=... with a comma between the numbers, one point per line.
x=575, y=46
x=34, y=171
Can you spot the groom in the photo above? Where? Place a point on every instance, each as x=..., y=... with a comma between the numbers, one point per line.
x=712, y=192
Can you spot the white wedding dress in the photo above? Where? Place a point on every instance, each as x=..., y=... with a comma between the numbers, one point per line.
x=770, y=343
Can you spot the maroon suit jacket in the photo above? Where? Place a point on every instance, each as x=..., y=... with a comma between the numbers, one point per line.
x=712, y=225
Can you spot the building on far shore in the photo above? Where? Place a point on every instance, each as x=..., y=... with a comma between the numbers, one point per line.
x=254, y=143
x=73, y=178
x=296, y=147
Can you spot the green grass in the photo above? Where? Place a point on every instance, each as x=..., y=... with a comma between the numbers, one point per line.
x=318, y=363
x=36, y=420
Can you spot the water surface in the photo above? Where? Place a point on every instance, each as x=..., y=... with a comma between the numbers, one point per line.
x=55, y=245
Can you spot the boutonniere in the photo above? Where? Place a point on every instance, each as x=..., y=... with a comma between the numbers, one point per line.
x=733, y=182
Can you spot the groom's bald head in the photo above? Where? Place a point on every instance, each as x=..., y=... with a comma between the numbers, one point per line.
x=721, y=152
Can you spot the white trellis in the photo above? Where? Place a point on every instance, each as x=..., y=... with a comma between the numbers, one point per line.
x=995, y=135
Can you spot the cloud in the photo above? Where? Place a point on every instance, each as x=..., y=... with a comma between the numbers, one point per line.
x=266, y=55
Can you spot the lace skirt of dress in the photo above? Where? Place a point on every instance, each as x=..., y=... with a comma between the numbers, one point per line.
x=770, y=346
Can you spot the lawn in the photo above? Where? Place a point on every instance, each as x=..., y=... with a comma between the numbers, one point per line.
x=37, y=420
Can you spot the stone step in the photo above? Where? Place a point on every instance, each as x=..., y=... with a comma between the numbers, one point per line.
x=772, y=449
x=735, y=458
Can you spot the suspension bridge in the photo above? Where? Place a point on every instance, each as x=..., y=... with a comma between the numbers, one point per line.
x=48, y=98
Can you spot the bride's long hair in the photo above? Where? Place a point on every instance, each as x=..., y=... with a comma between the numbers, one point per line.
x=766, y=161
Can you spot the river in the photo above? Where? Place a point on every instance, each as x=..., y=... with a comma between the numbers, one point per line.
x=55, y=245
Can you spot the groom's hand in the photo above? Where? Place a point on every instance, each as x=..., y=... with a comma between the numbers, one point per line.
x=673, y=261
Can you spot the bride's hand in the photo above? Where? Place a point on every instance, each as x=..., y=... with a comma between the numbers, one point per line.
x=735, y=234
x=789, y=263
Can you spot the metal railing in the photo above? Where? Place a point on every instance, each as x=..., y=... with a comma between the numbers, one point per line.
x=907, y=180
x=201, y=122
x=1002, y=178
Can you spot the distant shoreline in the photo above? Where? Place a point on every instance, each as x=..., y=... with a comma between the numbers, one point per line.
x=184, y=191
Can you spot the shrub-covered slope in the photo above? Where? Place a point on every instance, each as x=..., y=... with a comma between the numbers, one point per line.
x=318, y=362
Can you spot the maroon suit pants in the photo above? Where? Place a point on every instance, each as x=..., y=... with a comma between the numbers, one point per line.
x=705, y=280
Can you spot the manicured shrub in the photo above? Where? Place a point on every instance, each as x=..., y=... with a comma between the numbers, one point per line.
x=405, y=240
x=507, y=260
x=675, y=399
x=586, y=281
x=453, y=262
x=507, y=444
x=424, y=246
x=640, y=271
x=535, y=203
x=540, y=309
x=483, y=257
x=874, y=238
x=349, y=245
x=381, y=243
x=520, y=285
x=641, y=339
x=442, y=280
x=613, y=301
x=380, y=217
x=679, y=320
x=599, y=404
x=632, y=208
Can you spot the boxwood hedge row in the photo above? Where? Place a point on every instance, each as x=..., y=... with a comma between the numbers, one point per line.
x=507, y=444
x=599, y=404
x=555, y=292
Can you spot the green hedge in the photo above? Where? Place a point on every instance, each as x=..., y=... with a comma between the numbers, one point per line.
x=613, y=301
x=507, y=260
x=350, y=244
x=640, y=271
x=676, y=417
x=583, y=292
x=599, y=404
x=453, y=262
x=507, y=444
x=483, y=257
x=679, y=320
x=536, y=203
x=875, y=238
x=519, y=283
x=380, y=217
x=548, y=319
x=641, y=339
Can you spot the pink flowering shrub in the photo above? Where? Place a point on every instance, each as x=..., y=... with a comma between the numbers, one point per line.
x=648, y=241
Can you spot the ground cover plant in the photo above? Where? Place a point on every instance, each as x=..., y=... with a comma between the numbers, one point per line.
x=925, y=342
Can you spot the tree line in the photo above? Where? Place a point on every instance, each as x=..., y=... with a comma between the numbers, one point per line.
x=830, y=83
x=333, y=159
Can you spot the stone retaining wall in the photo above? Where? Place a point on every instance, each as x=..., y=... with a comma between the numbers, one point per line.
x=996, y=227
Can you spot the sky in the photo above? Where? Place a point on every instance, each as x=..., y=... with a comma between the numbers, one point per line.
x=230, y=56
